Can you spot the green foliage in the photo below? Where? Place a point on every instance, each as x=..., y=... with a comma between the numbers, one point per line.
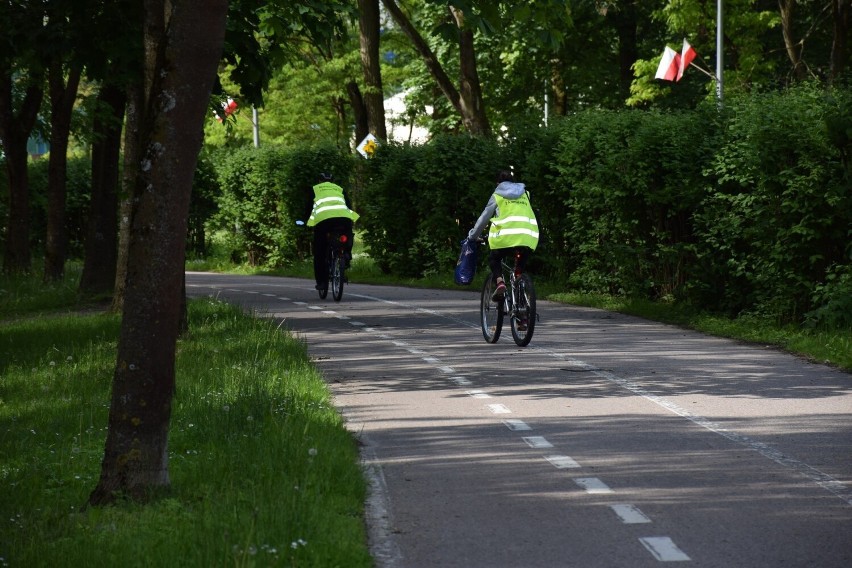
x=78, y=194
x=779, y=217
x=263, y=192
x=628, y=186
x=419, y=202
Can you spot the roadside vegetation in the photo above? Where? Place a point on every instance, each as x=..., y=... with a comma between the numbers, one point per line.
x=263, y=470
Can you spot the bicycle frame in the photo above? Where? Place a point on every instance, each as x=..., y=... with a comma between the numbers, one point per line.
x=519, y=303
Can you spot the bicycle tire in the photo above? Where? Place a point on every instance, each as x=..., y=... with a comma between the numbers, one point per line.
x=525, y=310
x=491, y=313
x=336, y=276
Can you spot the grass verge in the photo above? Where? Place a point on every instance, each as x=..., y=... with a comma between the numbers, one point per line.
x=263, y=470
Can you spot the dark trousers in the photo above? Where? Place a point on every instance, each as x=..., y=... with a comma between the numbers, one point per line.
x=496, y=255
x=335, y=225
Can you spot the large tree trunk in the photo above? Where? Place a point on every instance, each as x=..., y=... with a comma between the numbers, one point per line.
x=99, y=264
x=14, y=132
x=62, y=97
x=624, y=21
x=135, y=103
x=368, y=21
x=183, y=45
x=841, y=11
x=473, y=107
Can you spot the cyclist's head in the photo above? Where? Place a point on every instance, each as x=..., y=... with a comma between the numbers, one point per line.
x=324, y=176
x=504, y=175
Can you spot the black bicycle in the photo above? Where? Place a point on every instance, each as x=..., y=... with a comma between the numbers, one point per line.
x=336, y=258
x=518, y=303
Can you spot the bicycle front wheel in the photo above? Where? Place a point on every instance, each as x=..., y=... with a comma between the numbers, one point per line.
x=523, y=315
x=336, y=277
x=491, y=313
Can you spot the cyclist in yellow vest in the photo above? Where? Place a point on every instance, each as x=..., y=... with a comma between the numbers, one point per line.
x=330, y=214
x=513, y=226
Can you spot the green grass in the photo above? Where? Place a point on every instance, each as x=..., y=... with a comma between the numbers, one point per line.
x=263, y=471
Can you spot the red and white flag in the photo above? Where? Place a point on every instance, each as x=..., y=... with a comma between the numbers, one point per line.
x=669, y=65
x=687, y=54
x=673, y=64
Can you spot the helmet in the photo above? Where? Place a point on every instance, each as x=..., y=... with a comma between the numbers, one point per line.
x=325, y=176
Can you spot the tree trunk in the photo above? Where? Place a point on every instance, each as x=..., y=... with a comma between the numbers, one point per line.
x=62, y=97
x=356, y=101
x=368, y=22
x=473, y=107
x=184, y=44
x=841, y=11
x=14, y=132
x=429, y=58
x=99, y=264
x=794, y=51
x=557, y=88
x=135, y=103
x=625, y=22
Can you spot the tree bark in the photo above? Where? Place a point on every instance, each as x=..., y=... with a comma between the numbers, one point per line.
x=794, y=51
x=14, y=132
x=62, y=97
x=841, y=11
x=429, y=58
x=99, y=264
x=184, y=51
x=472, y=104
x=368, y=22
x=135, y=102
x=359, y=110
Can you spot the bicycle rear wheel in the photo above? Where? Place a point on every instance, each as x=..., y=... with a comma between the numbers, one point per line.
x=336, y=276
x=522, y=320
x=491, y=313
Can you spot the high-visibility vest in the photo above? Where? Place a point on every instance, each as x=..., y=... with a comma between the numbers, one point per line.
x=329, y=203
x=515, y=224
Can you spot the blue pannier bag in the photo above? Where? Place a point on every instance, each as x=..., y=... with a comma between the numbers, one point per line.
x=466, y=265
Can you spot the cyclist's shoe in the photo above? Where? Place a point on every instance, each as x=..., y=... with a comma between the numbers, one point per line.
x=522, y=325
x=499, y=292
x=321, y=286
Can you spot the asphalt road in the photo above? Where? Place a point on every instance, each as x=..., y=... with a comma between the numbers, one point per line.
x=610, y=441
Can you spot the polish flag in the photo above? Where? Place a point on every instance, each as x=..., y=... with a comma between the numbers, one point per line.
x=686, y=57
x=669, y=65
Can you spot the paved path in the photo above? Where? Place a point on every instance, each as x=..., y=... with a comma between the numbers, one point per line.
x=610, y=441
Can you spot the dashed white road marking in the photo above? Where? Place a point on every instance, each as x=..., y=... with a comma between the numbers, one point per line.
x=516, y=425
x=357, y=323
x=562, y=462
x=283, y=298
x=269, y=295
x=447, y=370
x=664, y=549
x=314, y=307
x=478, y=394
x=592, y=485
x=498, y=409
x=431, y=360
x=301, y=303
x=629, y=514
x=537, y=442
x=414, y=351
x=461, y=381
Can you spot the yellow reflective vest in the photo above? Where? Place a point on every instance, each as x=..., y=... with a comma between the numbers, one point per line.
x=514, y=225
x=329, y=203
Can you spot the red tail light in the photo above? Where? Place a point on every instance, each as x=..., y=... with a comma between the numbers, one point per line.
x=343, y=238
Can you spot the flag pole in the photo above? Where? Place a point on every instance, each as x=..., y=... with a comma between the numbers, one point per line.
x=705, y=71
x=719, y=42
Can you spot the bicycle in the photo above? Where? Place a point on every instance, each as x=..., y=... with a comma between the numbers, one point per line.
x=518, y=302
x=336, y=260
x=336, y=256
